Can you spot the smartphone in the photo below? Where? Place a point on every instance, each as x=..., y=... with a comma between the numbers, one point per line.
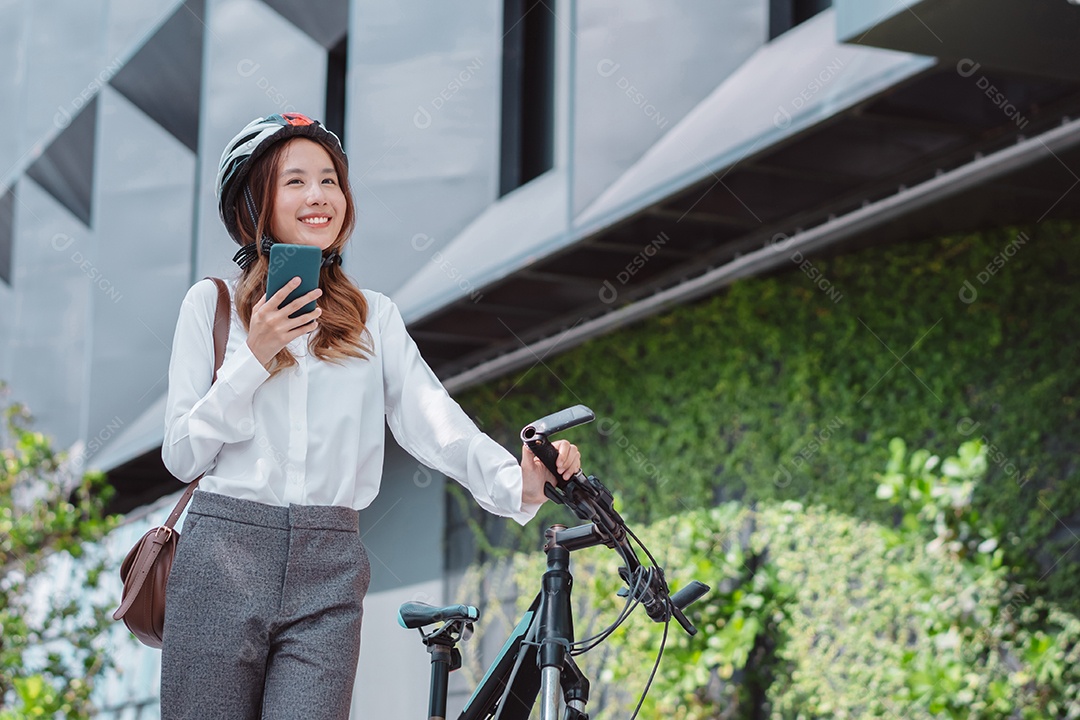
x=288, y=261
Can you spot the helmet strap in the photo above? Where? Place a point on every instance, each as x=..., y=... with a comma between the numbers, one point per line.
x=246, y=255
x=250, y=202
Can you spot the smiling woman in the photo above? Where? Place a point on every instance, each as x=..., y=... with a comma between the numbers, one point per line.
x=265, y=596
x=309, y=205
x=298, y=173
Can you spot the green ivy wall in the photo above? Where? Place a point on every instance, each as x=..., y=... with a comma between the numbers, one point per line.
x=789, y=387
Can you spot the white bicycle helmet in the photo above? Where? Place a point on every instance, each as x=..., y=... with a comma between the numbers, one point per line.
x=249, y=144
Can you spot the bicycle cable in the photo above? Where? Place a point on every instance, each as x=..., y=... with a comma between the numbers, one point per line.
x=656, y=666
x=642, y=582
x=581, y=647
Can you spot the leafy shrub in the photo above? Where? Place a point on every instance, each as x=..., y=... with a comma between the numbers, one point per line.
x=51, y=647
x=817, y=614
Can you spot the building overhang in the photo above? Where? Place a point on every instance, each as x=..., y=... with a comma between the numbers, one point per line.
x=765, y=157
x=1036, y=37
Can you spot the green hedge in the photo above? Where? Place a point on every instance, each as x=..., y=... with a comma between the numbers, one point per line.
x=815, y=614
x=842, y=619
x=777, y=390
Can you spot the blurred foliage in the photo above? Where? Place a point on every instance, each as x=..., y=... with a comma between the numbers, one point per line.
x=51, y=645
x=816, y=614
x=944, y=502
x=771, y=391
x=758, y=432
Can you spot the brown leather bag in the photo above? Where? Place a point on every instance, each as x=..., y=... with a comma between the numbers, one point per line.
x=145, y=570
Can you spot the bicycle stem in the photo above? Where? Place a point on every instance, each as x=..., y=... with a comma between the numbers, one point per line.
x=556, y=622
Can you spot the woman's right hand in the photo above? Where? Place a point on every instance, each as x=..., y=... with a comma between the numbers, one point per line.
x=271, y=328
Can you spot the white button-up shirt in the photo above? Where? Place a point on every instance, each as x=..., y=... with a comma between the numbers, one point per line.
x=314, y=433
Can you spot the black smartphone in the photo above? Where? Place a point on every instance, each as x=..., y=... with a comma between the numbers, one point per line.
x=288, y=261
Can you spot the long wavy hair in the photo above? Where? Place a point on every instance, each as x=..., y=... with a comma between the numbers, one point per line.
x=342, y=331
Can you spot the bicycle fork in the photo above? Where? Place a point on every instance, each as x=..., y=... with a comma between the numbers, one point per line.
x=560, y=677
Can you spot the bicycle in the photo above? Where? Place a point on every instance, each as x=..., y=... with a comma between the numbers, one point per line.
x=537, y=658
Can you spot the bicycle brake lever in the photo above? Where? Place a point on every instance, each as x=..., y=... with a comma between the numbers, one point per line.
x=683, y=599
x=555, y=494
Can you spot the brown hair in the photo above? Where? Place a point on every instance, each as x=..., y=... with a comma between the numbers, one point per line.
x=342, y=330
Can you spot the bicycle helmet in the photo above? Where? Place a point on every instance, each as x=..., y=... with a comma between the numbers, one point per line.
x=236, y=161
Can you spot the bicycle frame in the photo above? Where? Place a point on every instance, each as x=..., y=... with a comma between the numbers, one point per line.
x=535, y=661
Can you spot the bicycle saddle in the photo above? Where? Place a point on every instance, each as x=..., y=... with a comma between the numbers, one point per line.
x=416, y=614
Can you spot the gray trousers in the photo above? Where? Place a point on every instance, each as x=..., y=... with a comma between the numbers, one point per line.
x=263, y=612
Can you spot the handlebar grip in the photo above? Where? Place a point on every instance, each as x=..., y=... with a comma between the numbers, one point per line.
x=547, y=453
x=557, y=422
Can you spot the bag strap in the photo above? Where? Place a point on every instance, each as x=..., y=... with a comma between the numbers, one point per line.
x=164, y=532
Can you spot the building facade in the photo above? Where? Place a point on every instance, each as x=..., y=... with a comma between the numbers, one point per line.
x=528, y=173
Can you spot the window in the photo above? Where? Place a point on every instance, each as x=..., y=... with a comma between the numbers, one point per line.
x=786, y=14
x=336, y=66
x=7, y=232
x=528, y=92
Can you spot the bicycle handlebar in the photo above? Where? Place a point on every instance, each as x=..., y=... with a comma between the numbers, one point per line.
x=587, y=498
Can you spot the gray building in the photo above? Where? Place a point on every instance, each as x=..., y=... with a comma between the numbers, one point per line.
x=529, y=173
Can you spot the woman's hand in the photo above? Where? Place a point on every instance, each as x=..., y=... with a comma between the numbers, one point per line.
x=271, y=328
x=534, y=475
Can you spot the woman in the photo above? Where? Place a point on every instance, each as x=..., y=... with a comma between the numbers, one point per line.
x=265, y=595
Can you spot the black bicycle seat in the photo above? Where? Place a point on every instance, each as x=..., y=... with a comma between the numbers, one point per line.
x=416, y=614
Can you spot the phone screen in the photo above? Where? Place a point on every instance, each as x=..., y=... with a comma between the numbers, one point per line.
x=288, y=261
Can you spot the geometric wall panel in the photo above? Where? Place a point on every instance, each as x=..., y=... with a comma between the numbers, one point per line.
x=325, y=21
x=66, y=168
x=164, y=77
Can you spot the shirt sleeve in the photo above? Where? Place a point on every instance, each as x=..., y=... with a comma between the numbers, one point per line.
x=199, y=417
x=433, y=428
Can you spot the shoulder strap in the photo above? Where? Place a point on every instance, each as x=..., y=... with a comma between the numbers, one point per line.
x=164, y=532
x=221, y=339
x=221, y=324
